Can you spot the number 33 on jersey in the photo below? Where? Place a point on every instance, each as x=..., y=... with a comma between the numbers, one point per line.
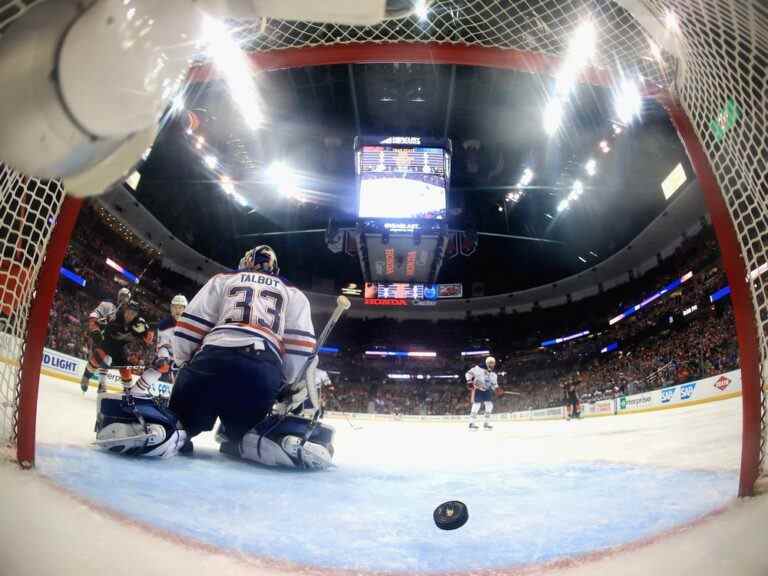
x=244, y=308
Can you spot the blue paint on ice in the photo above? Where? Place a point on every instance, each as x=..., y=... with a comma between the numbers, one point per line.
x=360, y=518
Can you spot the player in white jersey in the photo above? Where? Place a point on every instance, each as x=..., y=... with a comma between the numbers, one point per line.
x=483, y=382
x=157, y=380
x=241, y=336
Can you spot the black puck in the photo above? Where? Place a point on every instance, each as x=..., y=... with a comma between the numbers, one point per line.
x=451, y=515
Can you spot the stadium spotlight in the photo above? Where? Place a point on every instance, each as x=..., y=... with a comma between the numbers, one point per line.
x=211, y=161
x=235, y=68
x=564, y=204
x=178, y=103
x=501, y=209
x=553, y=114
x=421, y=9
x=604, y=147
x=526, y=178
x=591, y=167
x=577, y=189
x=628, y=102
x=229, y=189
x=227, y=185
x=582, y=45
x=671, y=21
x=285, y=180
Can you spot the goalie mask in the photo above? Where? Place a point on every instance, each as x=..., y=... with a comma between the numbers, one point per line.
x=262, y=259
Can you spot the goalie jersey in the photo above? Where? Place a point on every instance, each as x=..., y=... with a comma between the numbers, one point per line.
x=482, y=378
x=248, y=308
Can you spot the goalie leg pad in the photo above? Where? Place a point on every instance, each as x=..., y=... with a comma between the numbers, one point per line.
x=280, y=442
x=119, y=430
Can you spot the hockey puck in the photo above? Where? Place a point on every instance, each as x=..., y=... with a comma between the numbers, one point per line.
x=451, y=515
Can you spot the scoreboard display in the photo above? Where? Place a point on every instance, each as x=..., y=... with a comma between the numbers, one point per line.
x=401, y=291
x=399, y=178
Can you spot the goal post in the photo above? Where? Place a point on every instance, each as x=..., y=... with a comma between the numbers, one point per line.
x=713, y=84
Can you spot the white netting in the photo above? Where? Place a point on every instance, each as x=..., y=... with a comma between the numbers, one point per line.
x=721, y=86
x=724, y=92
x=28, y=210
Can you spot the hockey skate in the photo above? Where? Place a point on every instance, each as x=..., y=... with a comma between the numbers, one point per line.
x=84, y=383
x=487, y=426
x=102, y=389
x=473, y=426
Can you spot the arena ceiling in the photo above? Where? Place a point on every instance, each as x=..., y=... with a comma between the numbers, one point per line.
x=494, y=119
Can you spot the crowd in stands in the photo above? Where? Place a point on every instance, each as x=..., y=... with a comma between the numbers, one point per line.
x=657, y=346
x=97, y=237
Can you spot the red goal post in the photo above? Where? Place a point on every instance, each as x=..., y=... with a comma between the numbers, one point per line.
x=704, y=59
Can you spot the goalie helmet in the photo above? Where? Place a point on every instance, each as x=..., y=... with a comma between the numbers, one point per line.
x=262, y=259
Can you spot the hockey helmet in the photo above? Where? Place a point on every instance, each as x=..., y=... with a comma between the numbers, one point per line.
x=178, y=305
x=262, y=258
x=490, y=362
x=123, y=296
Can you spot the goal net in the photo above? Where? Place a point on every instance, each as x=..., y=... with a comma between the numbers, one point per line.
x=706, y=59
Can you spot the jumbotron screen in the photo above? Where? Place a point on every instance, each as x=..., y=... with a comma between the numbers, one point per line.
x=407, y=182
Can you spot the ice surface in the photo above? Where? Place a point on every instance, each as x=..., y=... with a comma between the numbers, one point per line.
x=536, y=492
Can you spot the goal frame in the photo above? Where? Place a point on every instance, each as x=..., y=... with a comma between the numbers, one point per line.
x=462, y=55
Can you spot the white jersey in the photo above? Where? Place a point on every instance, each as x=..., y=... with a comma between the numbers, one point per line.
x=104, y=313
x=482, y=378
x=247, y=308
x=165, y=330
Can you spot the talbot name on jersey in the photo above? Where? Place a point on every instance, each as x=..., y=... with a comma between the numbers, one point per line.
x=259, y=279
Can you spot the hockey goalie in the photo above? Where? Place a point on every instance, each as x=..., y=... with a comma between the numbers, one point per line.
x=246, y=345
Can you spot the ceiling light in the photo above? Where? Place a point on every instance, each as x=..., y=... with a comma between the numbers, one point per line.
x=591, y=167
x=526, y=178
x=421, y=9
x=235, y=68
x=211, y=161
x=628, y=102
x=553, y=114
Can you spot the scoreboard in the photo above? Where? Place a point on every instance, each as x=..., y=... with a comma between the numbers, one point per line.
x=401, y=291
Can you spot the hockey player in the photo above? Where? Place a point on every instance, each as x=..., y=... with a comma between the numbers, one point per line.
x=572, y=401
x=483, y=382
x=241, y=336
x=158, y=379
x=111, y=329
x=102, y=315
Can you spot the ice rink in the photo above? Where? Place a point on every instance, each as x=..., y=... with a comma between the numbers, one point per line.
x=636, y=494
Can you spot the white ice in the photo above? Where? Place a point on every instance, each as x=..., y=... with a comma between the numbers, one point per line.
x=552, y=495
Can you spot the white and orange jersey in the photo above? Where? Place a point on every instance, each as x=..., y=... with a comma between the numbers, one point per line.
x=482, y=378
x=244, y=308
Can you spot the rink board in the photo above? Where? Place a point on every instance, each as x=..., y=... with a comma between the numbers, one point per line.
x=713, y=388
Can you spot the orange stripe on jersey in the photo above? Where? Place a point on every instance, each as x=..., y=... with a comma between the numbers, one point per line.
x=192, y=328
x=299, y=343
